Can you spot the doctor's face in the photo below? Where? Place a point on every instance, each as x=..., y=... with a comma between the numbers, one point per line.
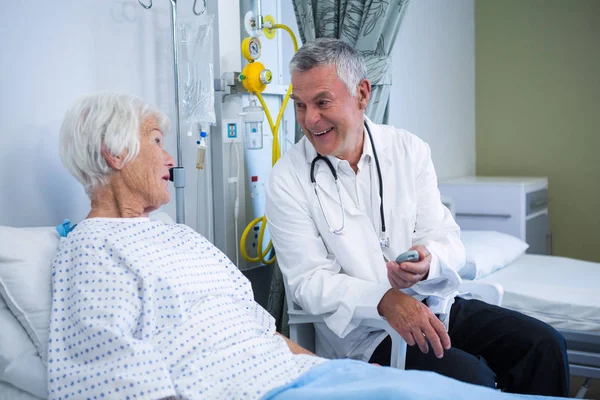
x=330, y=117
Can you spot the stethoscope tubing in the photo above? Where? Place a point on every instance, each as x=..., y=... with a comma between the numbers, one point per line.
x=336, y=180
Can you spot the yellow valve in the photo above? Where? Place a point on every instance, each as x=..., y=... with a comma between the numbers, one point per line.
x=252, y=73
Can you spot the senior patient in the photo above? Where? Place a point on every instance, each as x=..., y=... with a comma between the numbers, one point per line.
x=148, y=310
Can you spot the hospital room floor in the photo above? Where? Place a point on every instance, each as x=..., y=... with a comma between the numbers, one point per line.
x=593, y=393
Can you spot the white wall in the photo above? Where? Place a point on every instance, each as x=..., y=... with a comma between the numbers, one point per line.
x=53, y=52
x=433, y=92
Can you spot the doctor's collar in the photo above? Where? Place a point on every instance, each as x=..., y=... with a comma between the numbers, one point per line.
x=365, y=157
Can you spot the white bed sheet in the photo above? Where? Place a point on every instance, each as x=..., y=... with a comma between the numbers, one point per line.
x=562, y=292
x=9, y=392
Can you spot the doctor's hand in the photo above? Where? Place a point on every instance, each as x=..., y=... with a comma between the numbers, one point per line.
x=414, y=322
x=405, y=275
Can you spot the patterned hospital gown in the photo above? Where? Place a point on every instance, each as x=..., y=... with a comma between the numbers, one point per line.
x=147, y=310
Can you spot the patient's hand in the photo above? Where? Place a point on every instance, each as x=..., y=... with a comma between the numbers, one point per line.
x=414, y=322
x=295, y=347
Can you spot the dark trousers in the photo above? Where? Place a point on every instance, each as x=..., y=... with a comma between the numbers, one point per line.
x=495, y=346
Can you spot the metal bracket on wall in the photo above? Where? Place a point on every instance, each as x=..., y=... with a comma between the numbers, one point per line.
x=230, y=84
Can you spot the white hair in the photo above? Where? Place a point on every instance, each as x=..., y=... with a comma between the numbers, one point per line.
x=108, y=119
x=348, y=62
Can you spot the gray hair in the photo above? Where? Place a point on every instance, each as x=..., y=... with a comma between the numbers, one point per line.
x=108, y=119
x=348, y=62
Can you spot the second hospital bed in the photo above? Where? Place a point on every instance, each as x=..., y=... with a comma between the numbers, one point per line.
x=563, y=292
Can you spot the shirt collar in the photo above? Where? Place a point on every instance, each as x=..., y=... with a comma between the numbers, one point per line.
x=365, y=157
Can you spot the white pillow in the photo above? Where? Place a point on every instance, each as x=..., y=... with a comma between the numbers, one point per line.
x=20, y=364
x=489, y=251
x=26, y=256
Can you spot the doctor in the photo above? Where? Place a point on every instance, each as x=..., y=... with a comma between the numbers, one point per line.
x=346, y=201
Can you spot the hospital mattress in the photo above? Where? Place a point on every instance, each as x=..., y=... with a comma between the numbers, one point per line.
x=563, y=292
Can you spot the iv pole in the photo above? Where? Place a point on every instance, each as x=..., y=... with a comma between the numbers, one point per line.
x=177, y=173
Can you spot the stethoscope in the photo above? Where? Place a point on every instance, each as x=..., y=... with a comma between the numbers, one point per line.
x=383, y=240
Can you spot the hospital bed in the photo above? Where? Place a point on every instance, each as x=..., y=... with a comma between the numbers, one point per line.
x=563, y=292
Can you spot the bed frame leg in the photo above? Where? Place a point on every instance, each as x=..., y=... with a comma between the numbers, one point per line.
x=584, y=388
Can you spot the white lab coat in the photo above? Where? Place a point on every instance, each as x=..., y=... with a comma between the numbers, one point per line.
x=345, y=275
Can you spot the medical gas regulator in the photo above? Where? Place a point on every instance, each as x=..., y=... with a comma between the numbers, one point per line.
x=254, y=78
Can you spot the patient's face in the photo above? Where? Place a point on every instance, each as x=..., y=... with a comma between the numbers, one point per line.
x=146, y=178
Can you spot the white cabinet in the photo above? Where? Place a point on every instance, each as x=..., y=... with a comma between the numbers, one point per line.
x=514, y=205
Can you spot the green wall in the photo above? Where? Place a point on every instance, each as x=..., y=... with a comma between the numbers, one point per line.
x=537, y=96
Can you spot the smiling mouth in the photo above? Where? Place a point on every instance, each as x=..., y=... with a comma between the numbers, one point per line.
x=322, y=132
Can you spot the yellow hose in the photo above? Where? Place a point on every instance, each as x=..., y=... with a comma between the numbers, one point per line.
x=276, y=154
x=288, y=30
x=264, y=106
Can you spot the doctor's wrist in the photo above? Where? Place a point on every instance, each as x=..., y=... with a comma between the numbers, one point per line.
x=388, y=301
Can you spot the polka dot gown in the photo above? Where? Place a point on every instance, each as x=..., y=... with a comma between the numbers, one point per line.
x=147, y=310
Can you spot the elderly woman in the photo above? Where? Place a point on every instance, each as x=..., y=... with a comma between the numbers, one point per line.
x=142, y=308
x=148, y=310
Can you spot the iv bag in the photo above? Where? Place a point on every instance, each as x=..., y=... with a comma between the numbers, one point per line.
x=196, y=74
